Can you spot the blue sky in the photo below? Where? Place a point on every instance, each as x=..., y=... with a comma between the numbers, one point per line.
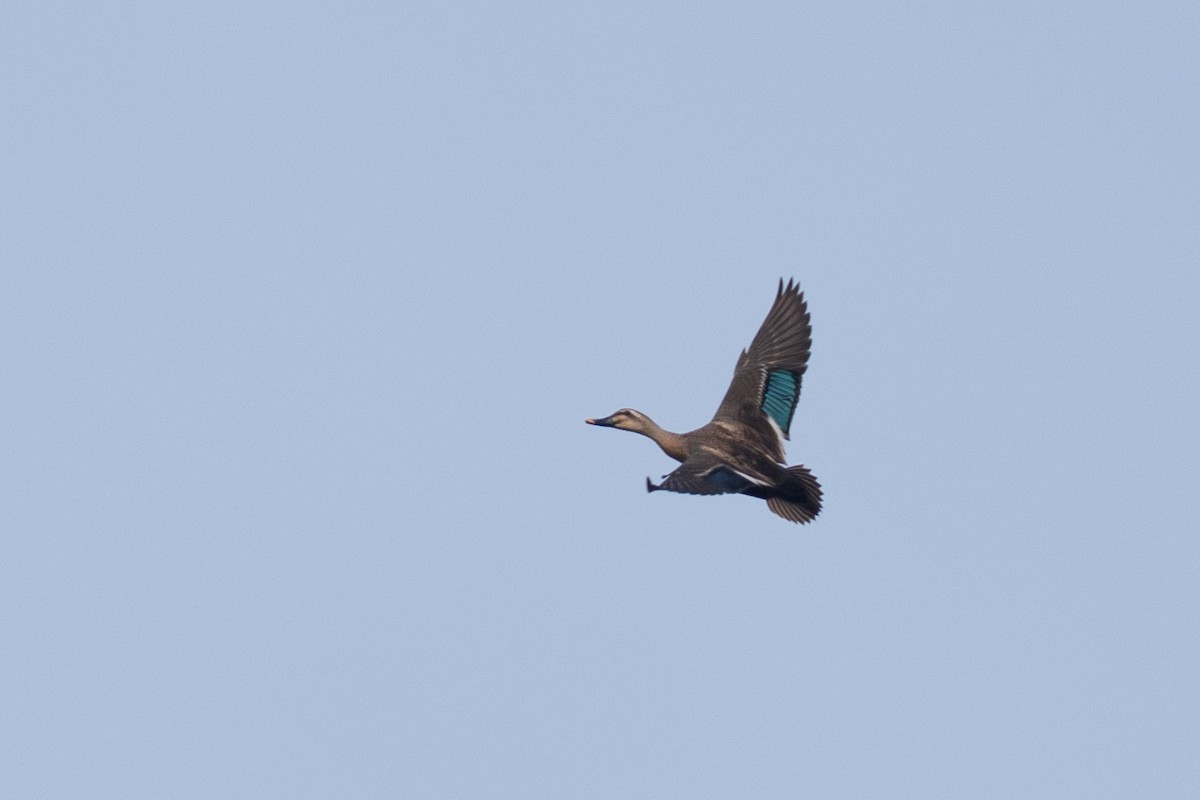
x=302, y=310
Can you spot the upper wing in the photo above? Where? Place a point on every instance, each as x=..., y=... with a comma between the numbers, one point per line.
x=766, y=381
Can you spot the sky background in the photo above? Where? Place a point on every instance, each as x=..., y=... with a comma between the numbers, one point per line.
x=302, y=307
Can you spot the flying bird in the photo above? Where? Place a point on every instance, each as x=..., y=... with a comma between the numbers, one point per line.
x=741, y=449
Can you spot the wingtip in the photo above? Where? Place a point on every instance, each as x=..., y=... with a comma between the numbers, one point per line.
x=791, y=287
x=650, y=487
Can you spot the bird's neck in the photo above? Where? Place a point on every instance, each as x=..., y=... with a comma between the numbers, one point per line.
x=671, y=443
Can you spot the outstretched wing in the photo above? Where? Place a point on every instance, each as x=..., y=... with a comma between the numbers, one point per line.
x=766, y=382
x=707, y=475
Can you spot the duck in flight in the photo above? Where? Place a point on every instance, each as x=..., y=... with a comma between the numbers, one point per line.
x=741, y=449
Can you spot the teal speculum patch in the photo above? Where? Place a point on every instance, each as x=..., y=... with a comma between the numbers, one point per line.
x=779, y=397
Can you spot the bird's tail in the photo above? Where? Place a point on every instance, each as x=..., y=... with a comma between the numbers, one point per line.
x=798, y=497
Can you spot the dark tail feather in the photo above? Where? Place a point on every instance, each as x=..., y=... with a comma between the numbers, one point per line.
x=798, y=497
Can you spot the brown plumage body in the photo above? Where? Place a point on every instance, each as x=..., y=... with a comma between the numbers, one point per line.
x=741, y=449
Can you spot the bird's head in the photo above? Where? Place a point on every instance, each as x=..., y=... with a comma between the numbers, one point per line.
x=626, y=419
